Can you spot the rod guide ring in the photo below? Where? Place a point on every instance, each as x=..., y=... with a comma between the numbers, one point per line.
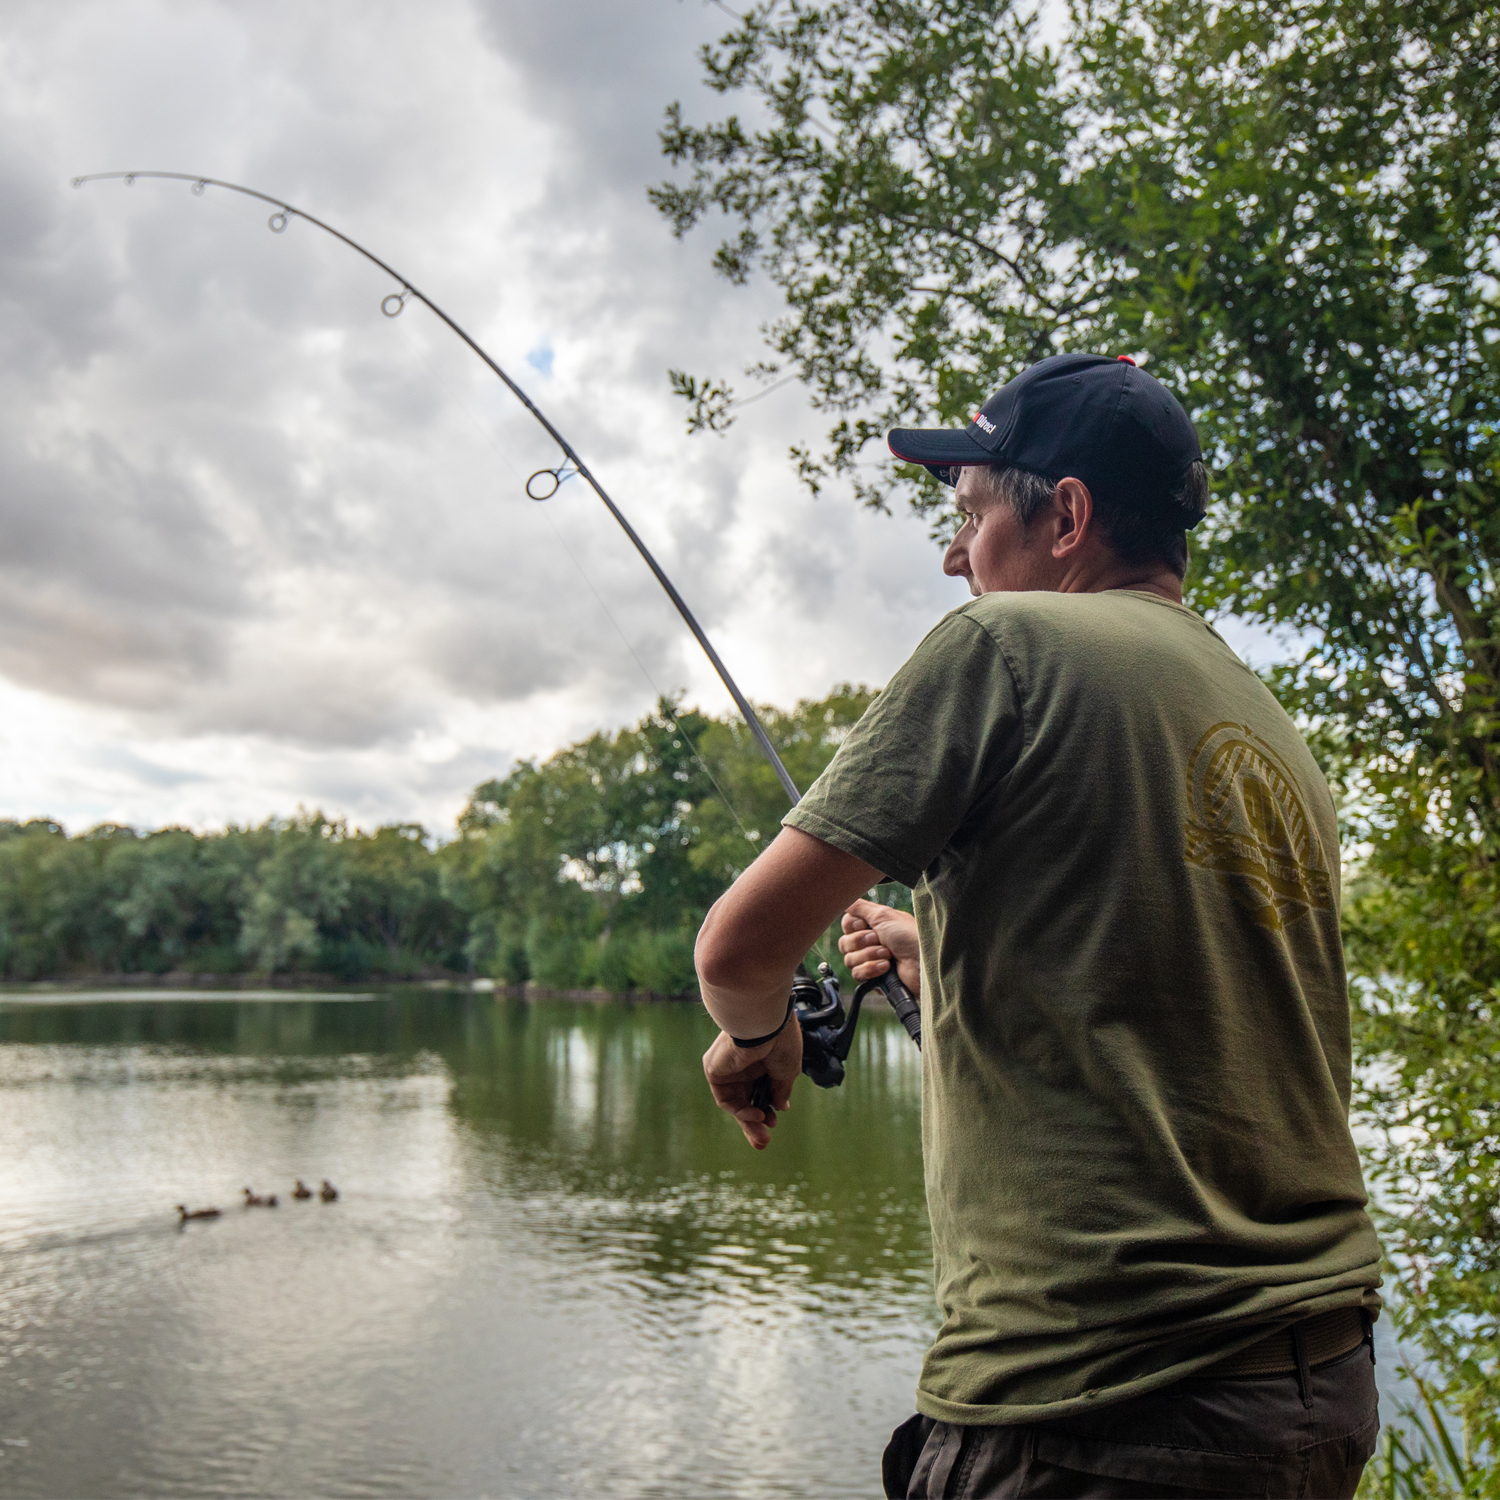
x=544, y=475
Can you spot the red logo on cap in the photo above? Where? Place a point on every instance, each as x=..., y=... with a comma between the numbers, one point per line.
x=1125, y=359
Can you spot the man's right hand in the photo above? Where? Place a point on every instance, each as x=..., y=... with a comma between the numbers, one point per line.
x=732, y=1073
x=874, y=937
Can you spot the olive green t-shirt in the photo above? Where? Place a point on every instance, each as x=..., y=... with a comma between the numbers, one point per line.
x=1136, y=1056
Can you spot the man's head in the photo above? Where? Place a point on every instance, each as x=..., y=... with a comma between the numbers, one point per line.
x=1023, y=531
x=1095, y=451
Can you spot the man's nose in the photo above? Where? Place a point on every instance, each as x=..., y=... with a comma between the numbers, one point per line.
x=956, y=561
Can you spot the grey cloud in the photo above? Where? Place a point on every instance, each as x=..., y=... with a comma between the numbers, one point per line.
x=110, y=578
x=605, y=74
x=121, y=760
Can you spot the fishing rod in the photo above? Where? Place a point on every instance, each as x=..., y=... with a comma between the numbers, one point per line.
x=537, y=486
x=826, y=1029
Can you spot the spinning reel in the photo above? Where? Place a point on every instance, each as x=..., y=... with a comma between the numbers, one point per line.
x=828, y=1030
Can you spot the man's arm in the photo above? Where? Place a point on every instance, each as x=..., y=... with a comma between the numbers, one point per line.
x=747, y=952
x=761, y=928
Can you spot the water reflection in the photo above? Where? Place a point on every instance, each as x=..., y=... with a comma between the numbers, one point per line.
x=555, y=1269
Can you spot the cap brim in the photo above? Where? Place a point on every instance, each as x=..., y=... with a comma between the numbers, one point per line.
x=938, y=449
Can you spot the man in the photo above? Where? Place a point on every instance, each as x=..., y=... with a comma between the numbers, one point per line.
x=1150, y=1244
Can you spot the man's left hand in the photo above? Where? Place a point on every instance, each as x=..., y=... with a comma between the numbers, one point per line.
x=732, y=1071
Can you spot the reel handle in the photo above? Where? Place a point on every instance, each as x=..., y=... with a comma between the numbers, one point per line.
x=760, y=1096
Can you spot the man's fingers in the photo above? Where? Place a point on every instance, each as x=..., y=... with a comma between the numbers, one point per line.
x=866, y=955
x=738, y=1079
x=854, y=919
x=862, y=958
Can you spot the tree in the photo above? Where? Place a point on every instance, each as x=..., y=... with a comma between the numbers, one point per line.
x=578, y=869
x=593, y=868
x=301, y=884
x=1287, y=209
x=749, y=803
x=55, y=914
x=397, y=918
x=177, y=894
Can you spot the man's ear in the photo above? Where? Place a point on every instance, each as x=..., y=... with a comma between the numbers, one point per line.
x=1073, y=516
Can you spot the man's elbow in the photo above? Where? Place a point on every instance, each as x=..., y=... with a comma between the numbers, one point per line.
x=715, y=957
x=731, y=954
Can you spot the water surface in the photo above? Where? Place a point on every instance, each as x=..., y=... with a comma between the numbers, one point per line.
x=554, y=1268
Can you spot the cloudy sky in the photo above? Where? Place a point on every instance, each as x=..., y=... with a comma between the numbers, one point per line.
x=264, y=547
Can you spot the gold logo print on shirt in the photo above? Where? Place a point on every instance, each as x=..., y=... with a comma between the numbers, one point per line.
x=1249, y=826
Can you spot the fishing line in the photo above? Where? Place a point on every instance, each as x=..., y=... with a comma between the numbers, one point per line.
x=463, y=404
x=548, y=481
x=750, y=400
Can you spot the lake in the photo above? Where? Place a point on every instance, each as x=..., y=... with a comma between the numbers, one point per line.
x=553, y=1268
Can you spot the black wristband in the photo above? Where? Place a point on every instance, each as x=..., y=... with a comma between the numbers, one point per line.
x=746, y=1043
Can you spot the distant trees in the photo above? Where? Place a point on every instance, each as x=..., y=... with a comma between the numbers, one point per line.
x=303, y=894
x=594, y=867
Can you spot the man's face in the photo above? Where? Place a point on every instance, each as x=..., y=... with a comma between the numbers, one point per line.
x=992, y=549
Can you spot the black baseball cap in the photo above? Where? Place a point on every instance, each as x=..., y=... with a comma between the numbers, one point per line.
x=1084, y=416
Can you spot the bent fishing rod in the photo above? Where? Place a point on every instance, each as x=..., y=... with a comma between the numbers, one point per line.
x=827, y=1032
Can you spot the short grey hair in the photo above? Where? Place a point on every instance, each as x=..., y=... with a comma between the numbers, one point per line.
x=1024, y=492
x=1154, y=530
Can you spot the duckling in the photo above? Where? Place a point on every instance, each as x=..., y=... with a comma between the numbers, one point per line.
x=302, y=1190
x=254, y=1200
x=328, y=1193
x=198, y=1213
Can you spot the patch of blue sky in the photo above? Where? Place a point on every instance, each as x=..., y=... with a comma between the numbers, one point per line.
x=540, y=360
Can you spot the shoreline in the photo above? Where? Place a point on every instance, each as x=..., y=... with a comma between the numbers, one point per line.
x=214, y=989
x=118, y=989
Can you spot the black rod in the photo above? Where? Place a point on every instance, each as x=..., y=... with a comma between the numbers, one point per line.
x=285, y=211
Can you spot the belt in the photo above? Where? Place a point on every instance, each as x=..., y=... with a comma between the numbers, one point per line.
x=1325, y=1337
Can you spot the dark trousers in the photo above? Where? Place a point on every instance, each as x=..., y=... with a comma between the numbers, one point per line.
x=1247, y=1435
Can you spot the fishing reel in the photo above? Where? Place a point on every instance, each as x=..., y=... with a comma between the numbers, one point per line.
x=828, y=1030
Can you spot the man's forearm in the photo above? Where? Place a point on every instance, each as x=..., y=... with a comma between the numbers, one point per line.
x=760, y=928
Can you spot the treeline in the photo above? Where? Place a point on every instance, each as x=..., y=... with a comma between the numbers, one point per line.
x=592, y=868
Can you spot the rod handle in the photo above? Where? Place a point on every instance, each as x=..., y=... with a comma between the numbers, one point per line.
x=908, y=1009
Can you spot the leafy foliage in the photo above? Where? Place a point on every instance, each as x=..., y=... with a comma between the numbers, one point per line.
x=598, y=866
x=1288, y=211
x=300, y=894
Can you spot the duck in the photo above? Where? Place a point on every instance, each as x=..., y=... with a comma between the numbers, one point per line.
x=328, y=1193
x=254, y=1200
x=302, y=1190
x=183, y=1215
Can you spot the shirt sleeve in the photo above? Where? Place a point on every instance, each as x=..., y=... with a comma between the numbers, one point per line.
x=939, y=737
